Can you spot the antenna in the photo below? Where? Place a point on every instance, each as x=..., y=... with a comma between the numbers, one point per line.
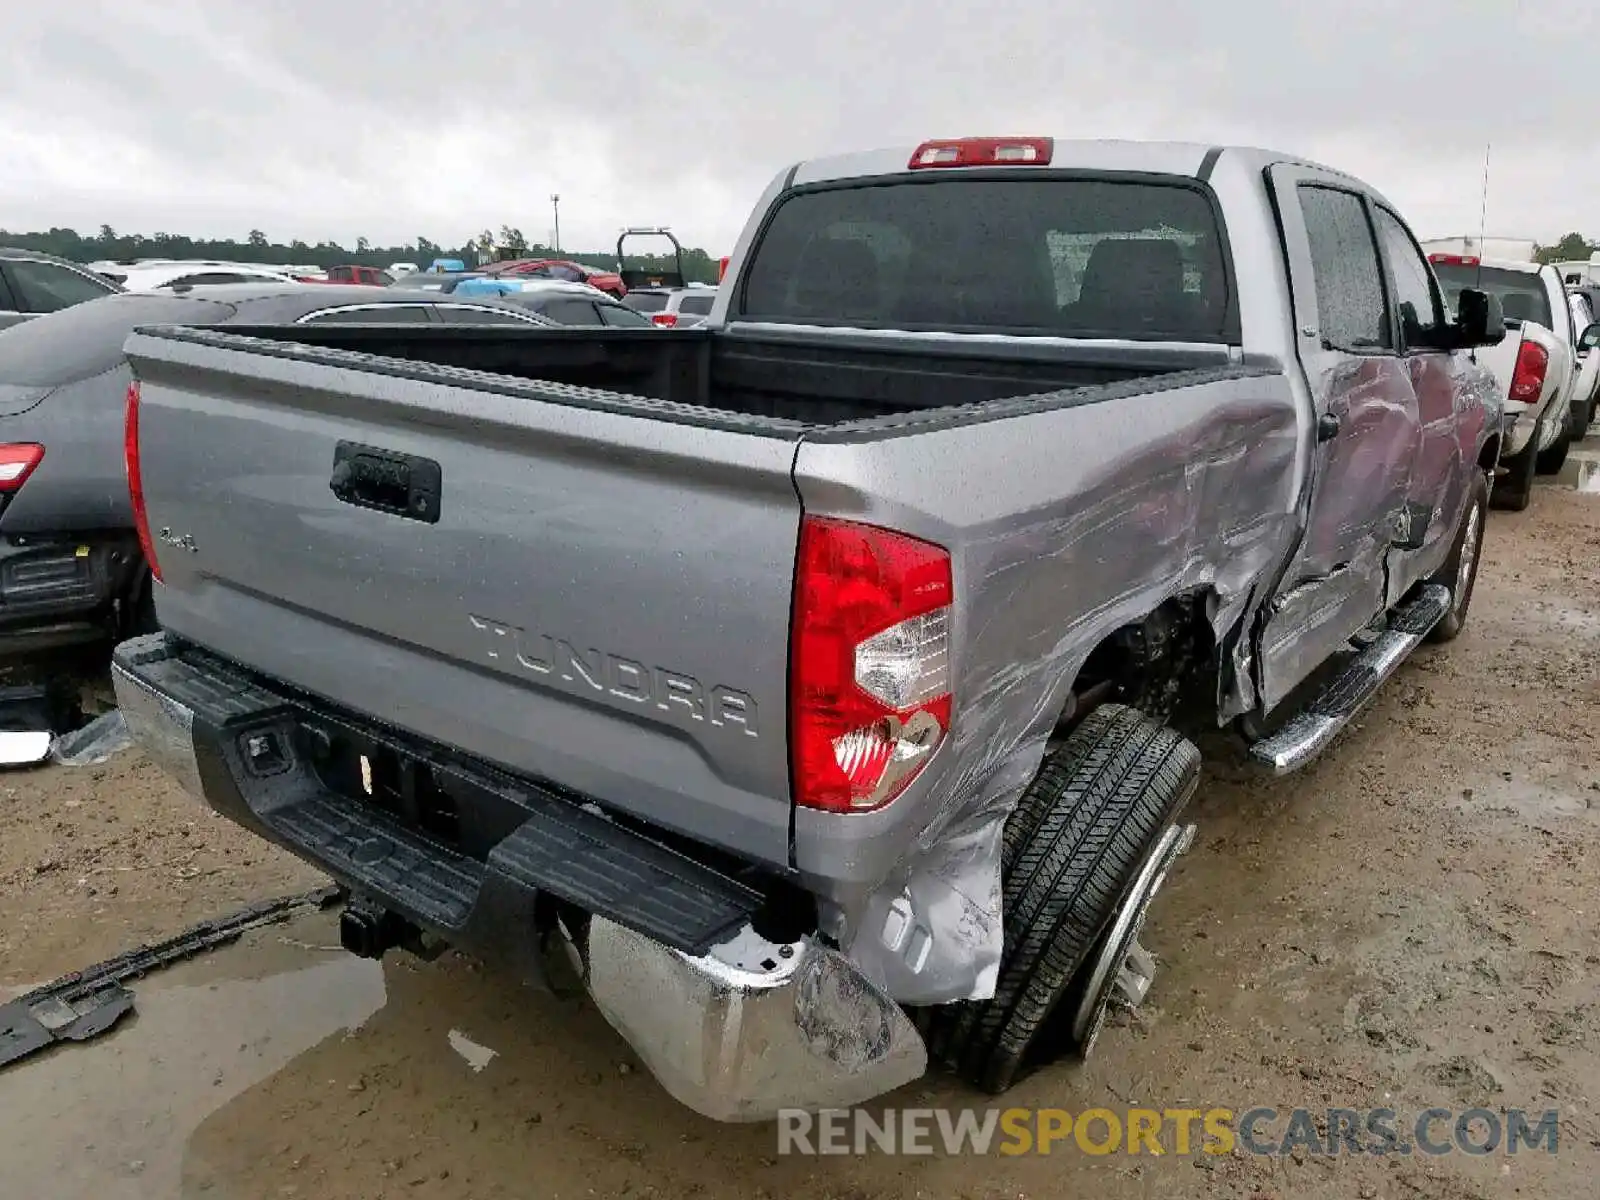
x=1483, y=214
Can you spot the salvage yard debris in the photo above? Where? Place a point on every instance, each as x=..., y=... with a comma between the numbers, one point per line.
x=85, y=1004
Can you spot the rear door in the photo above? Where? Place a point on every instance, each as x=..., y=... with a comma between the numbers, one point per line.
x=1368, y=426
x=1450, y=427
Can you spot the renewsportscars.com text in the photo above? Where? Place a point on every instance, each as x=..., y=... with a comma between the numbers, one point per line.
x=1178, y=1131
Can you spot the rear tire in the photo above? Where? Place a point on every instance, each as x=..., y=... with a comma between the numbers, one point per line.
x=1514, y=490
x=1460, y=571
x=1582, y=418
x=1099, y=810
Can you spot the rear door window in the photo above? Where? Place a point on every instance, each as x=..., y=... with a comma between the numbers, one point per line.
x=466, y=315
x=696, y=306
x=1043, y=256
x=1351, y=310
x=571, y=312
x=621, y=314
x=42, y=287
x=383, y=314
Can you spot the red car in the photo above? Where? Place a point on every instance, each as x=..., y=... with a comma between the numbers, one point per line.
x=556, y=268
x=369, y=276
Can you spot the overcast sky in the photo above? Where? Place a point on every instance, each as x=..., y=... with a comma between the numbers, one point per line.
x=388, y=119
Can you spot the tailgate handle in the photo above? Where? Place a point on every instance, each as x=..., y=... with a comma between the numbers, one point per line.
x=401, y=484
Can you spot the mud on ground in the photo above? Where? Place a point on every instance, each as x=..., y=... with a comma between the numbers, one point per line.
x=1409, y=923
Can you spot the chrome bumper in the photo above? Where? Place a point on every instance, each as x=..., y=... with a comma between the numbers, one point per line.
x=753, y=1028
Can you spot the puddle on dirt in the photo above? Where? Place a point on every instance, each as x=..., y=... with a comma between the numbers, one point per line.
x=1579, y=620
x=1525, y=798
x=1588, y=477
x=111, y=1118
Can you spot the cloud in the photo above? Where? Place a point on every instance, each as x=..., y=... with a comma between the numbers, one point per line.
x=342, y=118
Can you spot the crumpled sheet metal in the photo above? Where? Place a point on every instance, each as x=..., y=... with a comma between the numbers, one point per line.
x=1065, y=523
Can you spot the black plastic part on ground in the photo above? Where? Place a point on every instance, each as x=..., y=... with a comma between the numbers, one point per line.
x=87, y=1003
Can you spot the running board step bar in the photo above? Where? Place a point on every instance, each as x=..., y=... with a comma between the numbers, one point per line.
x=1308, y=733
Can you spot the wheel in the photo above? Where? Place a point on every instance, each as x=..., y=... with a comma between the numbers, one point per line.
x=1514, y=489
x=1550, y=461
x=1460, y=571
x=1582, y=418
x=1081, y=857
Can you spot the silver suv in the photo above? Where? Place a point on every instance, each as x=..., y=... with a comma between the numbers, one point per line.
x=673, y=307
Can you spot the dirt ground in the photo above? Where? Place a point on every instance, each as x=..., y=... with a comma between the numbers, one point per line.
x=1409, y=923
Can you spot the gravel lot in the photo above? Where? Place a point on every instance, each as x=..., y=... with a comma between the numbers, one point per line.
x=1409, y=923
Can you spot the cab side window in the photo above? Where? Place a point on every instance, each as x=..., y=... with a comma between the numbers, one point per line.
x=1416, y=292
x=1351, y=309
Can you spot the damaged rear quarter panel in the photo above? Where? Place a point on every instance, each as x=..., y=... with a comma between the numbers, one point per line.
x=1076, y=514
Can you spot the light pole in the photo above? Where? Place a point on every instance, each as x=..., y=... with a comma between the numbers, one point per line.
x=555, y=207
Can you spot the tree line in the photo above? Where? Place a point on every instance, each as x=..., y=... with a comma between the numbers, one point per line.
x=1571, y=248
x=698, y=266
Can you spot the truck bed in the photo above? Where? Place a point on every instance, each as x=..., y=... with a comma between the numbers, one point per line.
x=790, y=377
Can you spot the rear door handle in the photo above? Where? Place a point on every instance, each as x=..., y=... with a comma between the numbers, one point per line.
x=403, y=485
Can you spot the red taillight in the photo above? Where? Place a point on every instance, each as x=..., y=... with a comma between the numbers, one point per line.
x=1454, y=260
x=668, y=320
x=722, y=267
x=983, y=152
x=1527, y=381
x=869, y=678
x=130, y=455
x=17, y=461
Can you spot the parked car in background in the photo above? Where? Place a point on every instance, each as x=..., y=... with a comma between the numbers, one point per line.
x=673, y=307
x=355, y=273
x=190, y=274
x=562, y=302
x=1580, y=271
x=71, y=570
x=32, y=284
x=819, y=678
x=1588, y=393
x=1471, y=245
x=560, y=269
x=434, y=281
x=1538, y=368
x=398, y=269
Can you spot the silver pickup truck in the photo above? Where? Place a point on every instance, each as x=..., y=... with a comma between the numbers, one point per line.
x=820, y=678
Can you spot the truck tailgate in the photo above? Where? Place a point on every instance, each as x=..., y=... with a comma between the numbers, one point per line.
x=586, y=589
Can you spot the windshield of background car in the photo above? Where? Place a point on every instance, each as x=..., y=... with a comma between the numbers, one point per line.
x=1522, y=293
x=1043, y=256
x=82, y=341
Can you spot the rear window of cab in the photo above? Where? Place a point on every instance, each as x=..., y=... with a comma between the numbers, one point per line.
x=1064, y=257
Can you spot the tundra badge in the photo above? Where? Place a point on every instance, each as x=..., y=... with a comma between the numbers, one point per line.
x=183, y=541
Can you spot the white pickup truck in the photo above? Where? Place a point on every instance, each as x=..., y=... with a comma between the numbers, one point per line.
x=1538, y=368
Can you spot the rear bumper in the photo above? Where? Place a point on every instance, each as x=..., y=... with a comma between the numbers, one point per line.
x=62, y=593
x=734, y=1026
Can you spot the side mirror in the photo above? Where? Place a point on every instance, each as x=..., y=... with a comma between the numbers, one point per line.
x=1480, y=321
x=1590, y=338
